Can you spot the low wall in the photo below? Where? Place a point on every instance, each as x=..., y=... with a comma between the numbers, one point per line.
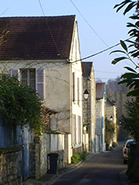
x=38, y=157
x=56, y=145
x=39, y=150
x=11, y=166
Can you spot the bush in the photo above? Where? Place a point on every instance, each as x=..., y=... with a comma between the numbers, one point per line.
x=19, y=104
x=76, y=158
x=83, y=155
x=114, y=144
x=111, y=148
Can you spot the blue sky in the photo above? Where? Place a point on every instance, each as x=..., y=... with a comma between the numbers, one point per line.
x=99, y=27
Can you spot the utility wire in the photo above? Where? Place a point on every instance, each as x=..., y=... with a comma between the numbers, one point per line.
x=4, y=11
x=89, y=24
x=49, y=29
x=102, y=51
x=96, y=34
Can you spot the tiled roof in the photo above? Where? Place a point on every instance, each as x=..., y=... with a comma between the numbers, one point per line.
x=86, y=69
x=100, y=90
x=36, y=37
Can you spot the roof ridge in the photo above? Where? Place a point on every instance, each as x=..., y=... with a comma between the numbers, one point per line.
x=38, y=16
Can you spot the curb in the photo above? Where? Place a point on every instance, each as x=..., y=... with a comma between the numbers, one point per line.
x=78, y=165
x=123, y=178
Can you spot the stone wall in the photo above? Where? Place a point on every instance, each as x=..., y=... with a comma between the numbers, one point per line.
x=39, y=160
x=38, y=157
x=11, y=166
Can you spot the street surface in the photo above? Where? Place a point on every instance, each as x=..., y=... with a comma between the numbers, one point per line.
x=101, y=169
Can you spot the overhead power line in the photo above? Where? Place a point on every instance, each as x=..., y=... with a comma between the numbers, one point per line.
x=4, y=11
x=90, y=56
x=49, y=29
x=89, y=23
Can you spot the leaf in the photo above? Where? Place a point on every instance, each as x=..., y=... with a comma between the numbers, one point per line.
x=131, y=45
x=116, y=60
x=131, y=52
x=130, y=69
x=130, y=41
x=123, y=45
x=138, y=5
x=134, y=17
x=123, y=81
x=130, y=75
x=117, y=51
x=129, y=7
x=133, y=93
x=129, y=24
x=132, y=31
x=136, y=54
x=137, y=23
x=121, y=5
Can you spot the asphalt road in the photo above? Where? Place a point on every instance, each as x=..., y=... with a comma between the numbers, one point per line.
x=101, y=169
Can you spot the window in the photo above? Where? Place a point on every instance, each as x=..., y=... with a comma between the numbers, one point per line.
x=73, y=78
x=8, y=135
x=33, y=78
x=78, y=91
x=28, y=77
x=39, y=82
x=73, y=129
x=79, y=129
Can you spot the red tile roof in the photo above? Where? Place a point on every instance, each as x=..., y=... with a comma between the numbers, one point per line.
x=36, y=37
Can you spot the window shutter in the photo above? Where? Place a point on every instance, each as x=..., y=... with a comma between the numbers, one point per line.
x=78, y=91
x=40, y=82
x=79, y=129
x=14, y=72
x=73, y=78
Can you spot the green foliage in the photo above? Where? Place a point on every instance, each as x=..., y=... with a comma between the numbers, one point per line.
x=114, y=144
x=131, y=123
x=109, y=130
x=83, y=155
x=130, y=47
x=76, y=158
x=111, y=148
x=132, y=81
x=19, y=104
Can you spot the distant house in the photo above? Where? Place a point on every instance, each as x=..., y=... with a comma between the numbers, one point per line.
x=44, y=53
x=111, y=111
x=100, y=116
x=111, y=116
x=89, y=121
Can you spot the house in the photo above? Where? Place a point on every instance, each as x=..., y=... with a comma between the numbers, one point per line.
x=111, y=111
x=110, y=114
x=100, y=116
x=44, y=53
x=89, y=121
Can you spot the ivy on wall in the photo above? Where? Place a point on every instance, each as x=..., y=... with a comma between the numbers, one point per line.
x=109, y=130
x=19, y=104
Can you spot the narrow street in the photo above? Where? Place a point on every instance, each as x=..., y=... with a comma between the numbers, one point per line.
x=101, y=169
